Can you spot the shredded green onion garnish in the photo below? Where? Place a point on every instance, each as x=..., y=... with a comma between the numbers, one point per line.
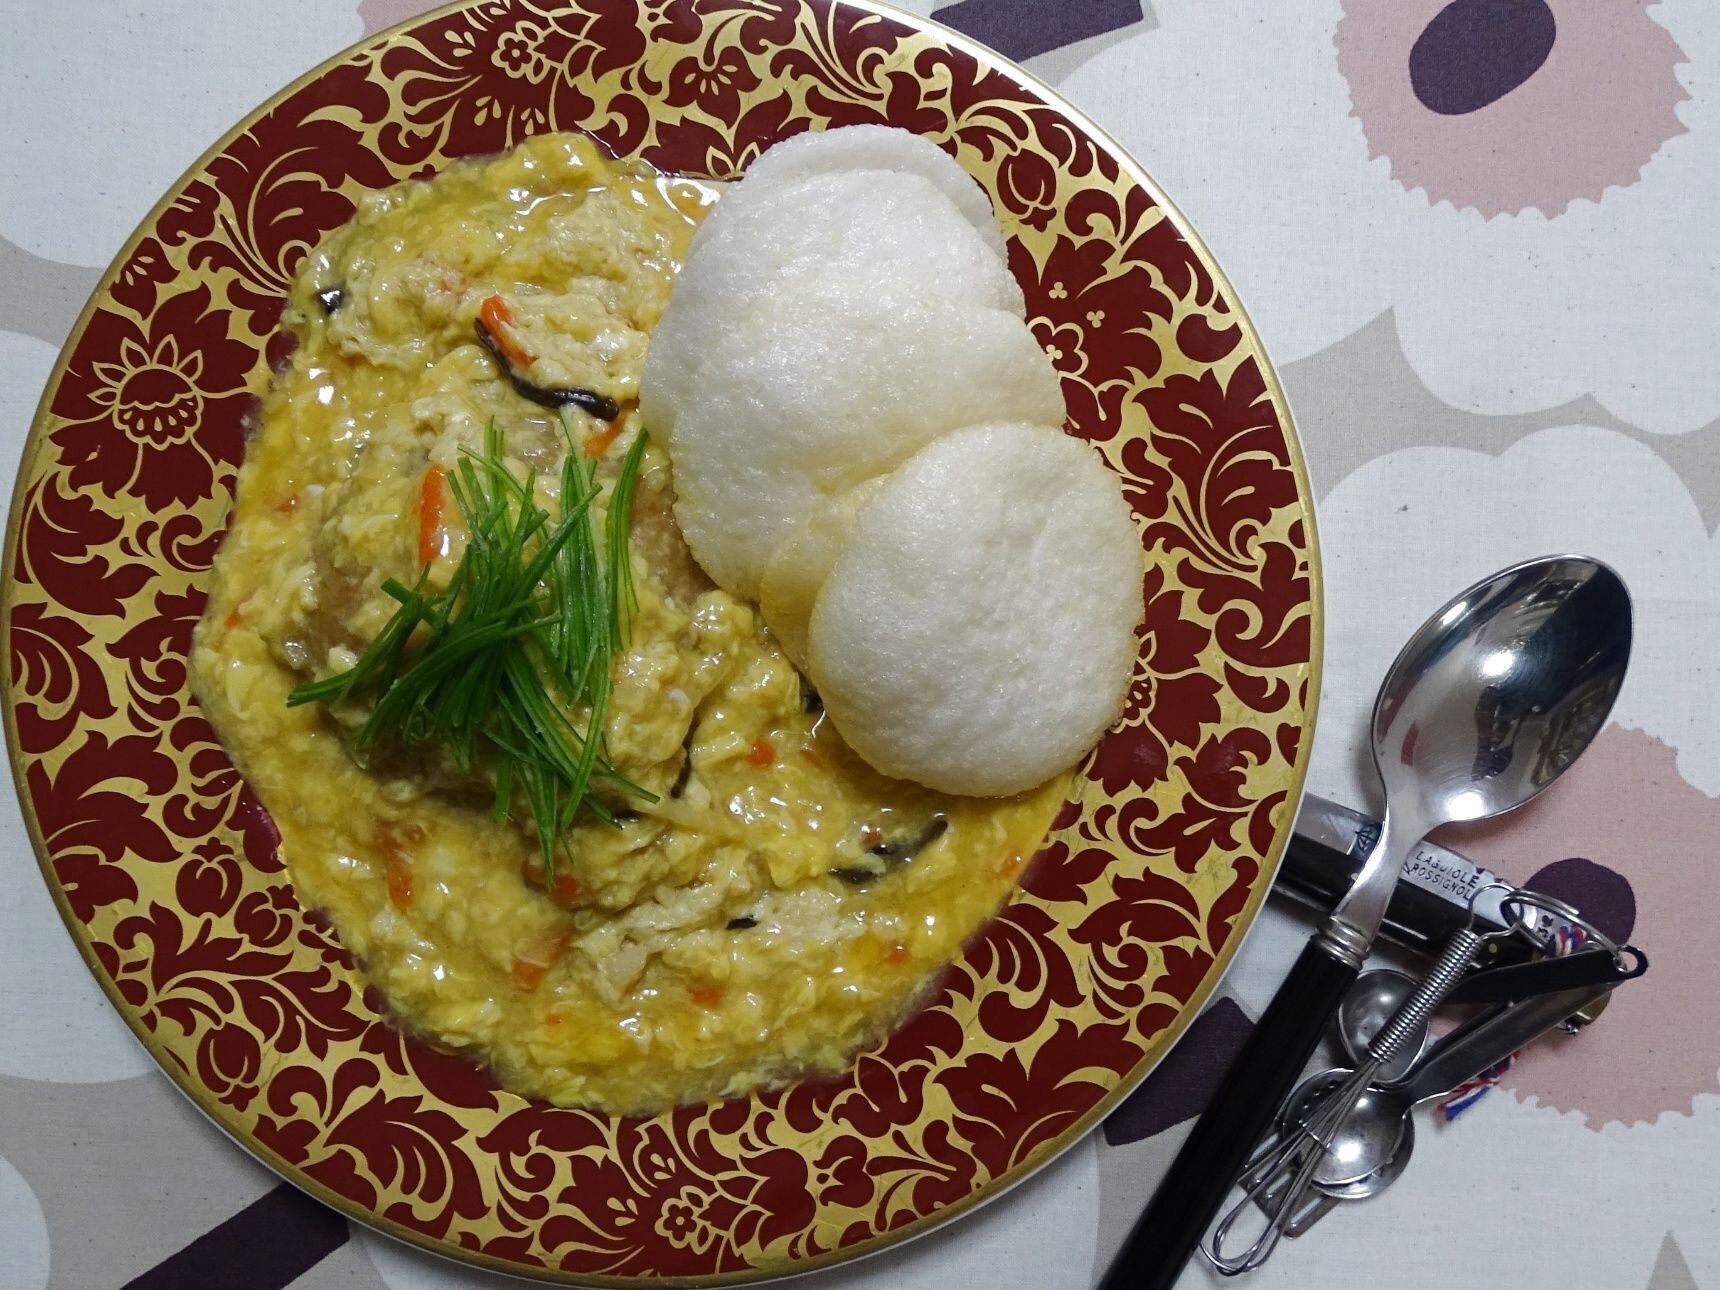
x=525, y=633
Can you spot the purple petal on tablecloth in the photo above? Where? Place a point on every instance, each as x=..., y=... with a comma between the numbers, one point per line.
x=1475, y=52
x=1182, y=1085
x=1601, y=895
x=265, y=1246
x=1024, y=28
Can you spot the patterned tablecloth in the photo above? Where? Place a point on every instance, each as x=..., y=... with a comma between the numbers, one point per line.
x=1479, y=239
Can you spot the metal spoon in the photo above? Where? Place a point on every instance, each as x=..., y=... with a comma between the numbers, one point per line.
x=1491, y=699
x=1371, y=1002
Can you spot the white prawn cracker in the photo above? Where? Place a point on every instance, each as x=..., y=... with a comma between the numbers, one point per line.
x=749, y=250
x=880, y=147
x=797, y=569
x=977, y=632
x=831, y=380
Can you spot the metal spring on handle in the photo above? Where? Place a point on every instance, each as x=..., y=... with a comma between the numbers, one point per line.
x=1409, y=1019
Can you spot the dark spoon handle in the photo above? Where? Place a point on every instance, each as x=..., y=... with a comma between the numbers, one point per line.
x=1200, y=1177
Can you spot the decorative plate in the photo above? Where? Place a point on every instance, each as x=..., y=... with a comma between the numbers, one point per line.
x=166, y=867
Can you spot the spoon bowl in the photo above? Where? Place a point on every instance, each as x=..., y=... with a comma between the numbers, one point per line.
x=1372, y=1002
x=1373, y=1144
x=1502, y=689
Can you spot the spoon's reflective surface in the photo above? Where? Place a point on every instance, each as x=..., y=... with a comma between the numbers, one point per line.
x=1373, y=1001
x=1495, y=697
x=1372, y=1148
x=1486, y=705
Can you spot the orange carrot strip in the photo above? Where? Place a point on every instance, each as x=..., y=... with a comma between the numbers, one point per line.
x=897, y=953
x=706, y=995
x=288, y=504
x=432, y=538
x=533, y=960
x=566, y=890
x=399, y=879
x=762, y=753
x=528, y=974
x=397, y=862
x=598, y=444
x=498, y=320
x=233, y=619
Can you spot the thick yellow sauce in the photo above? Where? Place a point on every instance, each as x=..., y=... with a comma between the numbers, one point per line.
x=720, y=940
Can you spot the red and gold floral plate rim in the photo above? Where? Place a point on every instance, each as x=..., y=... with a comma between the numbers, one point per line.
x=166, y=870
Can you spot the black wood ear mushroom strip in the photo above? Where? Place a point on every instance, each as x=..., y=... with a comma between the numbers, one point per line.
x=600, y=406
x=897, y=851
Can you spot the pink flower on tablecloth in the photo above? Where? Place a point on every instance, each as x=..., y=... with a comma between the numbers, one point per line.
x=1511, y=105
x=381, y=14
x=1630, y=842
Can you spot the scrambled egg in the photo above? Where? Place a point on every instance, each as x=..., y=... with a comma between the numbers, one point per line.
x=781, y=905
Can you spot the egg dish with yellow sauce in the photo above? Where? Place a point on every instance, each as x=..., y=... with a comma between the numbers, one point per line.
x=549, y=770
